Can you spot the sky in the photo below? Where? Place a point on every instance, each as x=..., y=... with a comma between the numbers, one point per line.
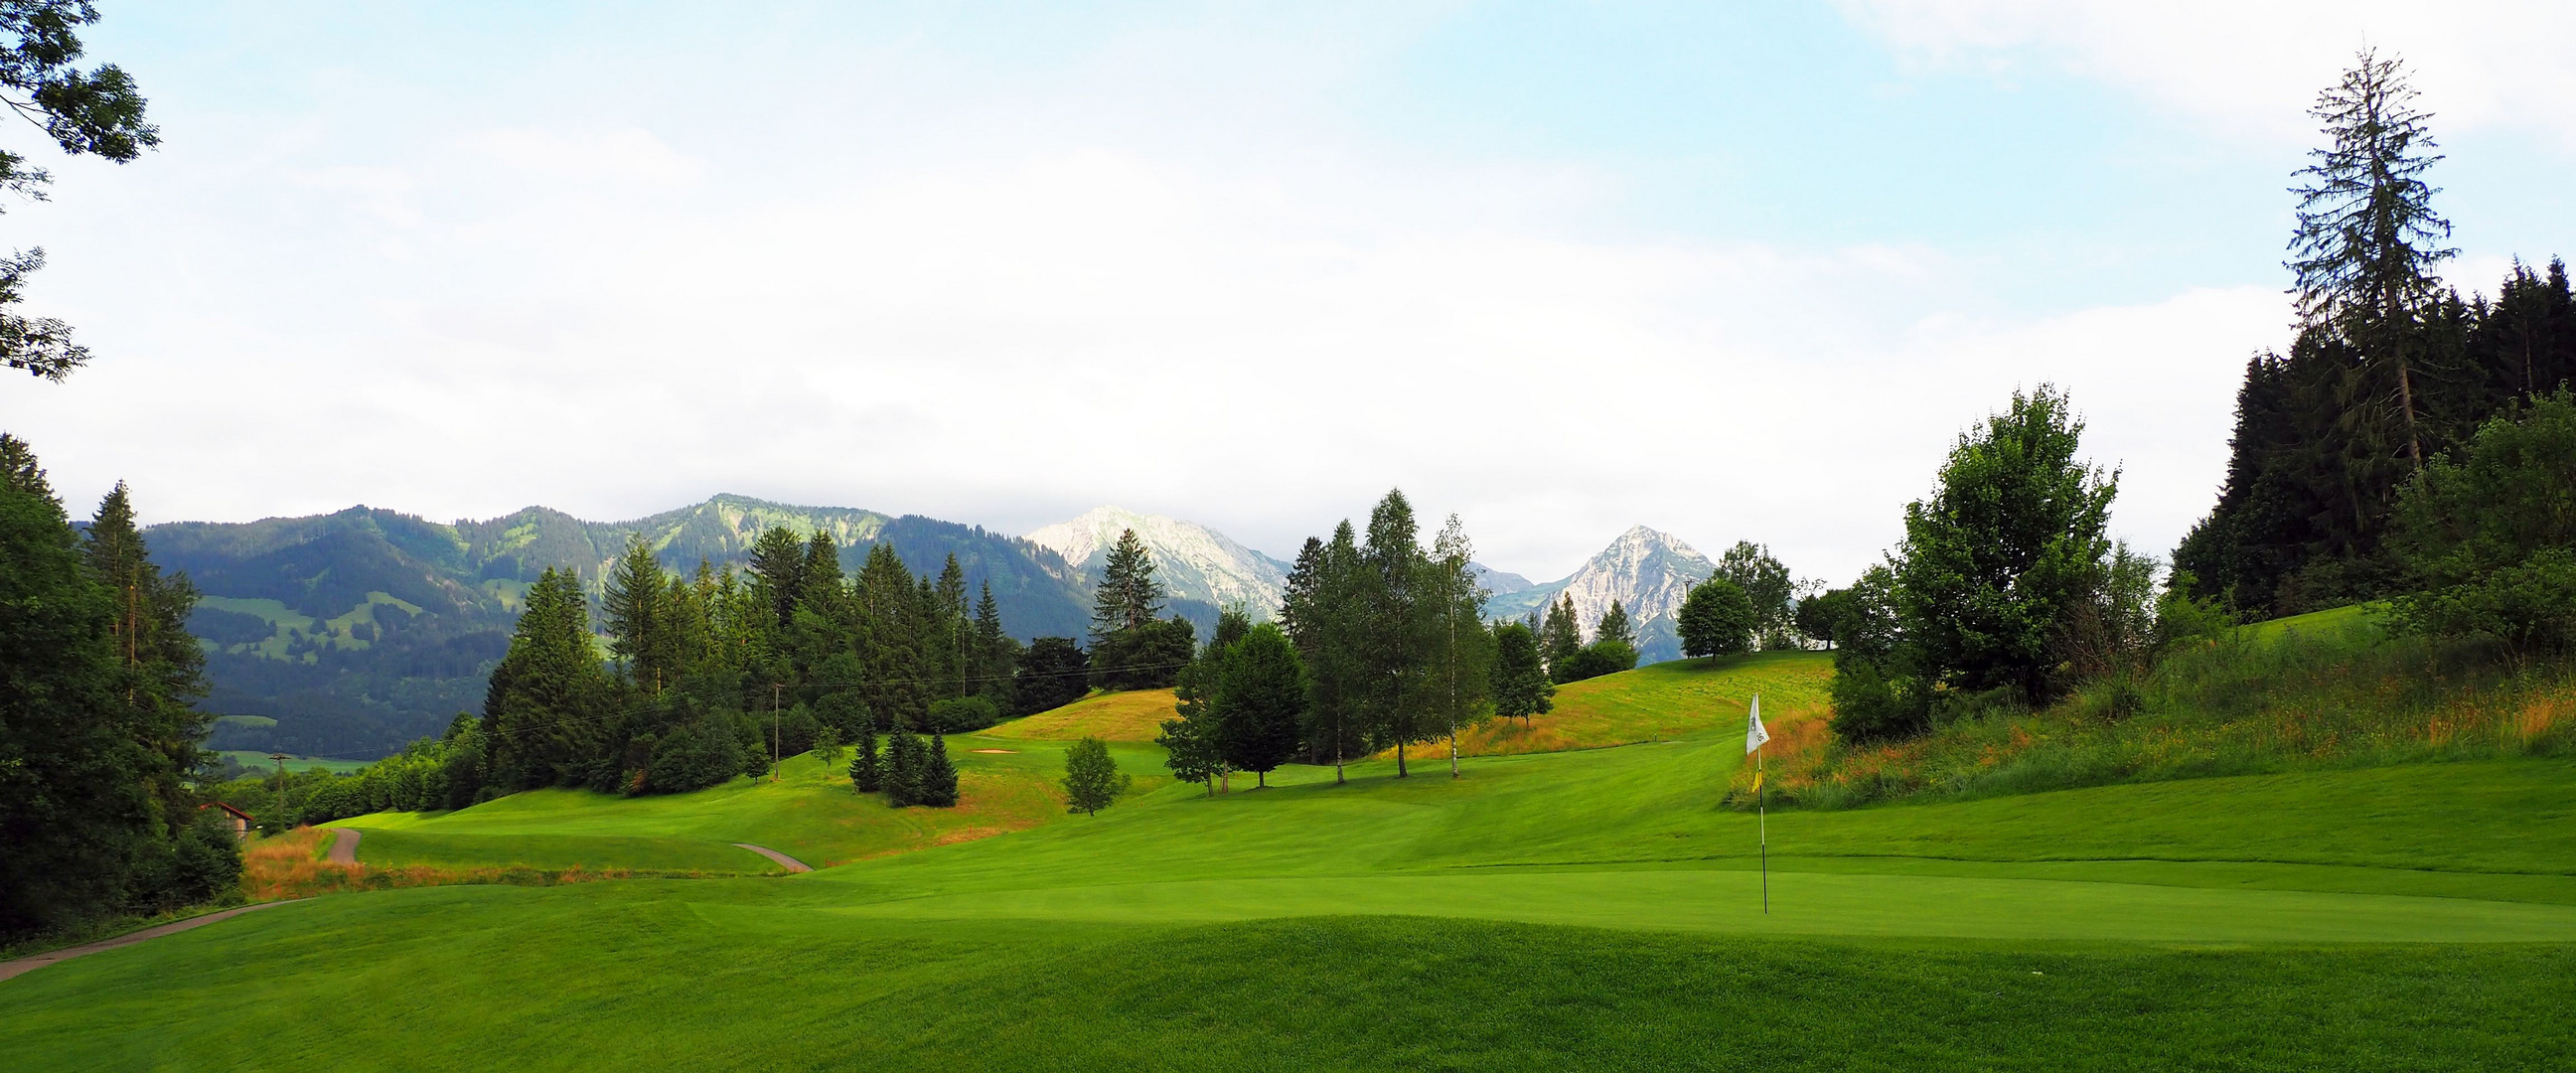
x=1732, y=271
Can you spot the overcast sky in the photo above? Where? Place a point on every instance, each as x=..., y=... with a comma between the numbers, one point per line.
x=1731, y=271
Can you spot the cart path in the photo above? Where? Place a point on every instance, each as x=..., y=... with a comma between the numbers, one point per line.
x=344, y=848
x=38, y=961
x=790, y=863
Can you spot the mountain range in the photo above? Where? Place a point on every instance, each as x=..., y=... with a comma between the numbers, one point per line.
x=351, y=633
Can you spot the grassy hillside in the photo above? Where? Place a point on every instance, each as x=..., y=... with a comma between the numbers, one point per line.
x=2333, y=688
x=1584, y=907
x=808, y=812
x=1662, y=701
x=1129, y=715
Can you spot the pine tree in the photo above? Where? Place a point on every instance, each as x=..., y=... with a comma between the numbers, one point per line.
x=778, y=573
x=543, y=710
x=635, y=603
x=867, y=770
x=1128, y=597
x=1324, y=614
x=1614, y=626
x=995, y=654
x=1560, y=637
x=903, y=769
x=938, y=776
x=1521, y=688
x=2365, y=247
x=163, y=664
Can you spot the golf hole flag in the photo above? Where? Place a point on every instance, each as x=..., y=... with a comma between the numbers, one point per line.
x=1754, y=735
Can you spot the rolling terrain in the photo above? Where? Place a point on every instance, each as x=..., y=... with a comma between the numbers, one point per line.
x=1583, y=906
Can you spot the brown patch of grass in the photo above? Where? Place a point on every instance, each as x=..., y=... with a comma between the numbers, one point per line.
x=1132, y=715
x=293, y=865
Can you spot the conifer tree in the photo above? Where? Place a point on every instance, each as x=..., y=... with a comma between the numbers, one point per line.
x=635, y=603
x=938, y=778
x=903, y=769
x=1614, y=626
x=542, y=713
x=867, y=770
x=2367, y=237
x=1560, y=637
x=995, y=654
x=1129, y=597
x=1521, y=688
x=778, y=573
x=1323, y=614
x=163, y=664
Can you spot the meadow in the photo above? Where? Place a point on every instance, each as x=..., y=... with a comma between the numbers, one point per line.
x=1593, y=906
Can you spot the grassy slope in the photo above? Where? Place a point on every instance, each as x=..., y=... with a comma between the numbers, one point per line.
x=1135, y=715
x=808, y=813
x=1661, y=701
x=2027, y=932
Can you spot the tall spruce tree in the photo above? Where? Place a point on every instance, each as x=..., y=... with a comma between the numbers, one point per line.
x=1323, y=615
x=543, y=713
x=1560, y=637
x=636, y=603
x=778, y=572
x=1521, y=688
x=163, y=664
x=2368, y=239
x=1129, y=597
x=1614, y=626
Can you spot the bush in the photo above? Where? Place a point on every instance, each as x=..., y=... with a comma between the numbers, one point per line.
x=961, y=714
x=693, y=757
x=1597, y=659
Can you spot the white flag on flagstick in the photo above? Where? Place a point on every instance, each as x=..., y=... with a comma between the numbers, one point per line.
x=1754, y=735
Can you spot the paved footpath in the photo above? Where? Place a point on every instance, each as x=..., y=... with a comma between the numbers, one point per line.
x=37, y=961
x=344, y=848
x=790, y=863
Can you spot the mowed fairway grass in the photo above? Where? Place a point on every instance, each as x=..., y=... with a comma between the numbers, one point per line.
x=1590, y=908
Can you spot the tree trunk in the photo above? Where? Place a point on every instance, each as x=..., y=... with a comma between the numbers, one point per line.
x=1399, y=759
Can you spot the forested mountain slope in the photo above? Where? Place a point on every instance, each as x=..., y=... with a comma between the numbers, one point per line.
x=360, y=630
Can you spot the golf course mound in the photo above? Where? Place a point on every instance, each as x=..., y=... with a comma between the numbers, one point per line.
x=1664, y=701
x=1125, y=715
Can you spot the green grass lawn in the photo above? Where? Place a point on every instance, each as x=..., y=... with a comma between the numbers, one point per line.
x=1590, y=908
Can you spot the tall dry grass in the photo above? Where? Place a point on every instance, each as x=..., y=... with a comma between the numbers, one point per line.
x=2347, y=695
x=295, y=865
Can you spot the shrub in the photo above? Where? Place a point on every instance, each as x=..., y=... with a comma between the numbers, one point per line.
x=962, y=714
x=1597, y=659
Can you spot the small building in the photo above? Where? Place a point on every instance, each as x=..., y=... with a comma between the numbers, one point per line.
x=242, y=821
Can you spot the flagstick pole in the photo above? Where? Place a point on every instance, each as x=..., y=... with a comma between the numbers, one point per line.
x=1762, y=812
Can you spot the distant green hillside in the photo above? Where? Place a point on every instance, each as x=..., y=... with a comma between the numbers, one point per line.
x=361, y=630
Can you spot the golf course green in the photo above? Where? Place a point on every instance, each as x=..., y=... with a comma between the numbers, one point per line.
x=1590, y=907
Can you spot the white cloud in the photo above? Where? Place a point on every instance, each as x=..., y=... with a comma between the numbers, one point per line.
x=1010, y=345
x=2255, y=67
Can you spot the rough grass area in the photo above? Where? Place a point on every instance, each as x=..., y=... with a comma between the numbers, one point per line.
x=1662, y=701
x=1129, y=715
x=295, y=865
x=2328, y=689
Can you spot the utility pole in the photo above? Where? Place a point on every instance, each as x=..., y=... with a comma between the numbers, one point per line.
x=774, y=689
x=280, y=758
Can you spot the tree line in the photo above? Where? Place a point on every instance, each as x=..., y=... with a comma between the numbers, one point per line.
x=2391, y=370
x=2414, y=447
x=98, y=734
